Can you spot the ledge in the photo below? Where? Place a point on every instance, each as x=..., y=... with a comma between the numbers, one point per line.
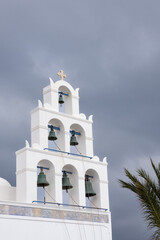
x=44, y=211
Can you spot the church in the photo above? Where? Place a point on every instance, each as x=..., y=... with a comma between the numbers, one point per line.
x=61, y=188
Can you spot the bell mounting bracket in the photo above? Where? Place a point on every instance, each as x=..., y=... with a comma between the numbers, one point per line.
x=74, y=132
x=65, y=94
x=43, y=167
x=53, y=127
x=66, y=172
x=88, y=176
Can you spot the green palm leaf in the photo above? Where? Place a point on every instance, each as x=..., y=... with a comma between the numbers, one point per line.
x=148, y=193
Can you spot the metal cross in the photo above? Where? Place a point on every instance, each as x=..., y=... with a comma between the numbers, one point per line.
x=61, y=74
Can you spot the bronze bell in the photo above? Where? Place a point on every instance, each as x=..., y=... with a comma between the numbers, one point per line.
x=61, y=101
x=42, y=181
x=73, y=141
x=88, y=188
x=52, y=135
x=65, y=182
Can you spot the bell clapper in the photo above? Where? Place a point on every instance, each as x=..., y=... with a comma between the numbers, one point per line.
x=73, y=140
x=42, y=181
x=88, y=187
x=52, y=135
x=66, y=182
x=61, y=101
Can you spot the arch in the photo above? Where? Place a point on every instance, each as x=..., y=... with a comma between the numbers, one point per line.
x=67, y=106
x=4, y=183
x=81, y=139
x=50, y=176
x=64, y=83
x=73, y=194
x=95, y=200
x=60, y=142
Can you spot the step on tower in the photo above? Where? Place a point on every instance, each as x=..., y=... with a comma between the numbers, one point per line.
x=61, y=157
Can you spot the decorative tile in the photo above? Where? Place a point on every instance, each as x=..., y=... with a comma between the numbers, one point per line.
x=53, y=213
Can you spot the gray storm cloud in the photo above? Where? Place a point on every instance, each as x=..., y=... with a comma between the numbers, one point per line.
x=111, y=50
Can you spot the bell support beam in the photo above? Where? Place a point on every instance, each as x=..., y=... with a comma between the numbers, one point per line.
x=65, y=94
x=66, y=172
x=88, y=176
x=43, y=167
x=74, y=132
x=55, y=128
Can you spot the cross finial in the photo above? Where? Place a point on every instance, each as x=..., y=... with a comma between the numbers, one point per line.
x=61, y=74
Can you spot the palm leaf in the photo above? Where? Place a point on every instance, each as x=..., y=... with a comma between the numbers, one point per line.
x=148, y=193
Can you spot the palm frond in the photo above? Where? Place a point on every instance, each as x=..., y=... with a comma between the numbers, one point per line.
x=148, y=193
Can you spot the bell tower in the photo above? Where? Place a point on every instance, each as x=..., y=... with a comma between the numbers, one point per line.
x=61, y=156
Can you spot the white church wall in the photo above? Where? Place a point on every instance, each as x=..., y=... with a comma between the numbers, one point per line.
x=50, y=96
x=7, y=192
x=30, y=222
x=39, y=129
x=32, y=229
x=28, y=159
x=44, y=220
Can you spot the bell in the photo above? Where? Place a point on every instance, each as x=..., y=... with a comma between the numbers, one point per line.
x=61, y=101
x=88, y=188
x=65, y=182
x=52, y=135
x=42, y=181
x=73, y=141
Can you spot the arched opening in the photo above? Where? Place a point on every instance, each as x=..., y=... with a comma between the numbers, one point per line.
x=93, y=177
x=46, y=193
x=71, y=196
x=65, y=94
x=59, y=143
x=80, y=138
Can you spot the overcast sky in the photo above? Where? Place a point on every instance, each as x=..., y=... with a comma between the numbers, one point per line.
x=111, y=50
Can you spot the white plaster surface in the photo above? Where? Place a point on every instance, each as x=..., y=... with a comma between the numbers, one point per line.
x=19, y=228
x=28, y=158
x=7, y=192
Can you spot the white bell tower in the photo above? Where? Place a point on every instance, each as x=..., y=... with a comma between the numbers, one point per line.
x=80, y=218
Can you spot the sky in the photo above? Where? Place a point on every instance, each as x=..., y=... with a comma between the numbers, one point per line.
x=111, y=51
